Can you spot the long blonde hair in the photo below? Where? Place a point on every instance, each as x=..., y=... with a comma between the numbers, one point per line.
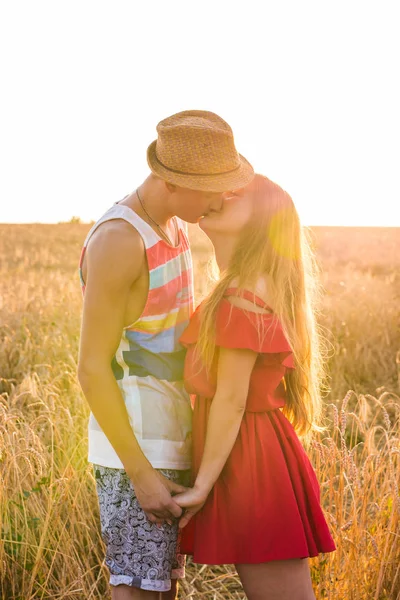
x=274, y=246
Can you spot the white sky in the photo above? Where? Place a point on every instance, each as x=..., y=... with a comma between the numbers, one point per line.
x=310, y=88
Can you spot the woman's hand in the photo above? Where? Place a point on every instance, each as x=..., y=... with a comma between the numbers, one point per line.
x=192, y=500
x=154, y=493
x=173, y=488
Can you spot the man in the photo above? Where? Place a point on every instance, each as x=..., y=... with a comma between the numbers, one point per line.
x=136, y=274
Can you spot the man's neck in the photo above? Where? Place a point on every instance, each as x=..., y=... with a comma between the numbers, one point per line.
x=153, y=208
x=154, y=197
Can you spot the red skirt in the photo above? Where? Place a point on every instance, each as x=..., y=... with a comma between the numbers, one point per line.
x=265, y=504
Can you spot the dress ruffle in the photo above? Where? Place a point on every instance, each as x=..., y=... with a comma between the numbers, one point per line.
x=238, y=328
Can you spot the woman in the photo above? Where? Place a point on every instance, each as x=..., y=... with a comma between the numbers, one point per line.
x=254, y=364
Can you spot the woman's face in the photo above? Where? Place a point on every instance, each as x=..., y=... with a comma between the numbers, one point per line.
x=232, y=218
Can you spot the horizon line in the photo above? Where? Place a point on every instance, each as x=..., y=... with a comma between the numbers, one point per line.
x=81, y=222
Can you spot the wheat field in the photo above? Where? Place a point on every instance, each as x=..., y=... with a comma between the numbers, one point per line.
x=50, y=543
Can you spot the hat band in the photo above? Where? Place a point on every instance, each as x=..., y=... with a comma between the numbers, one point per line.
x=197, y=174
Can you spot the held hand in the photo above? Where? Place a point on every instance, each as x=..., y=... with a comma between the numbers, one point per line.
x=173, y=487
x=193, y=500
x=154, y=496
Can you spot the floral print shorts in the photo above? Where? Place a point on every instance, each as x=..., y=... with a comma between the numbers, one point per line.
x=138, y=553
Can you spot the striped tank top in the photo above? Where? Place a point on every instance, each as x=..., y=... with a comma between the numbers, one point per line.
x=148, y=364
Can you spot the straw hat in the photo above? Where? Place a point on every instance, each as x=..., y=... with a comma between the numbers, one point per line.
x=195, y=149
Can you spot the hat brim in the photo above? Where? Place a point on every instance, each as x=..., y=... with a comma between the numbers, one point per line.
x=207, y=183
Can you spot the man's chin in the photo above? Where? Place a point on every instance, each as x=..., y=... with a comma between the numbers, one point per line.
x=194, y=220
x=203, y=223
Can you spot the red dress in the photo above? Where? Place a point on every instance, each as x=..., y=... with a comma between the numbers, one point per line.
x=265, y=504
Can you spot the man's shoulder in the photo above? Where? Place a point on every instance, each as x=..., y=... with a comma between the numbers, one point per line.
x=116, y=234
x=116, y=250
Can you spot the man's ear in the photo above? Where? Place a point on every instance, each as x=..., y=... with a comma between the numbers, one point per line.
x=170, y=187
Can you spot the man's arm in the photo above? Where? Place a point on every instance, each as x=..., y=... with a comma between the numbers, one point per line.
x=115, y=258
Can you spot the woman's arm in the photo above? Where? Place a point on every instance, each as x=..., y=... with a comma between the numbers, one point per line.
x=226, y=412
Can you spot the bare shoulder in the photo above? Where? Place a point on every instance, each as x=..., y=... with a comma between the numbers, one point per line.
x=263, y=289
x=260, y=289
x=115, y=251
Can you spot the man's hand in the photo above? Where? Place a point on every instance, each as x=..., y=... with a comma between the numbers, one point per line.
x=193, y=500
x=153, y=492
x=173, y=487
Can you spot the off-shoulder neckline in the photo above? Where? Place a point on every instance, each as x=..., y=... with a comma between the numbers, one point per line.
x=247, y=295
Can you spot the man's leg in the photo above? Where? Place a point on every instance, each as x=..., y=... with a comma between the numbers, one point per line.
x=173, y=593
x=126, y=592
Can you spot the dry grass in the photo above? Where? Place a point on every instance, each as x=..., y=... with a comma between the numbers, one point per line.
x=50, y=544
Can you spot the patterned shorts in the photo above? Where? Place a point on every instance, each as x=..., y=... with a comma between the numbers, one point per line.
x=138, y=553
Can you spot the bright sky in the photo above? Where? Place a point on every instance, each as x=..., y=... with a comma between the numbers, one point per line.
x=311, y=90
